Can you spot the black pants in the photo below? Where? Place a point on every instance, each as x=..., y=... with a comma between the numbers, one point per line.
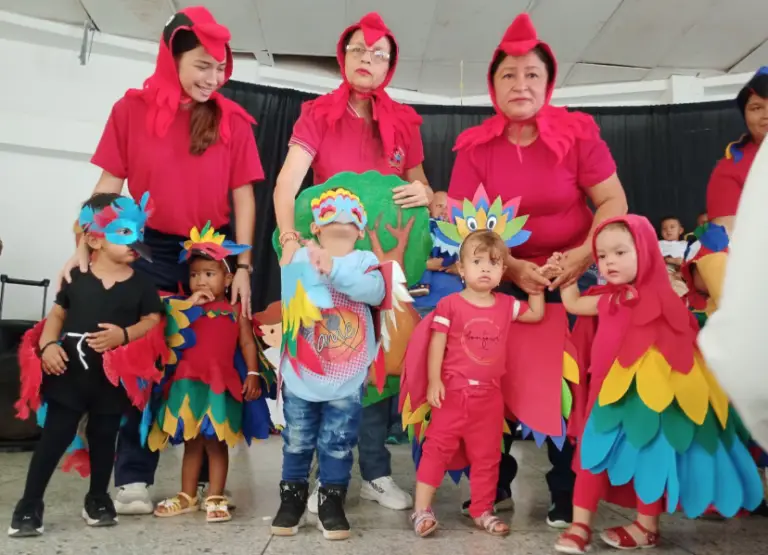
x=60, y=429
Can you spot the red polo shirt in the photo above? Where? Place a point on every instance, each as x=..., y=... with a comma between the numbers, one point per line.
x=351, y=145
x=187, y=190
x=553, y=195
x=727, y=182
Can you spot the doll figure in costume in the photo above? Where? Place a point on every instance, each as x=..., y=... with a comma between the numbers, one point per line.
x=268, y=328
x=465, y=365
x=91, y=359
x=211, y=391
x=329, y=343
x=659, y=432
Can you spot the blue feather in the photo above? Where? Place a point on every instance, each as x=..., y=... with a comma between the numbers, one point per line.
x=623, y=462
x=715, y=238
x=595, y=447
x=303, y=272
x=518, y=238
x=728, y=496
x=697, y=487
x=673, y=484
x=749, y=478
x=653, y=469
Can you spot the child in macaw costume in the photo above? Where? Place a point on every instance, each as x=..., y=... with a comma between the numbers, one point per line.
x=465, y=364
x=329, y=343
x=91, y=358
x=211, y=391
x=703, y=270
x=659, y=433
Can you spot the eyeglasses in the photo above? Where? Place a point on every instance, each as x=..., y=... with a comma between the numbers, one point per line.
x=377, y=56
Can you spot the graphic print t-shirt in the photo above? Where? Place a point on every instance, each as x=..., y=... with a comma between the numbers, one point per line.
x=477, y=338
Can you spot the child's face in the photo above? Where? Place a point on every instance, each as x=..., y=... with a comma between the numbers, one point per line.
x=209, y=275
x=272, y=334
x=616, y=256
x=438, y=208
x=338, y=237
x=118, y=254
x=481, y=271
x=671, y=230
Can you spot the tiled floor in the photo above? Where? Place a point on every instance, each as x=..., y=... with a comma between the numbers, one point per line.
x=254, y=476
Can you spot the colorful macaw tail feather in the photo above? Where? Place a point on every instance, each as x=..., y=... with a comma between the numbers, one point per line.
x=31, y=376
x=672, y=435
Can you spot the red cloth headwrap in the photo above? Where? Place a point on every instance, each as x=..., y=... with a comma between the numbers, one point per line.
x=558, y=128
x=162, y=90
x=395, y=120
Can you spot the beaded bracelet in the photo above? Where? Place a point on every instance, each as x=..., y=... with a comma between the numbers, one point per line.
x=286, y=236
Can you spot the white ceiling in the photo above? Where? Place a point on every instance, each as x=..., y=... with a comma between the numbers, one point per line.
x=596, y=41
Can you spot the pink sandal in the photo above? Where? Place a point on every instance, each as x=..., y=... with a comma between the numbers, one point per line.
x=492, y=524
x=625, y=540
x=420, y=517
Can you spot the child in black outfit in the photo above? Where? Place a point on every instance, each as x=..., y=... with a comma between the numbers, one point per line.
x=92, y=318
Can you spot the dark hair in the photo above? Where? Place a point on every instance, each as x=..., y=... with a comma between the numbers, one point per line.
x=484, y=240
x=758, y=85
x=231, y=261
x=392, y=45
x=205, y=117
x=541, y=54
x=670, y=217
x=99, y=201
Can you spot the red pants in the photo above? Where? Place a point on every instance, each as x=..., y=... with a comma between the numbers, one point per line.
x=591, y=488
x=474, y=416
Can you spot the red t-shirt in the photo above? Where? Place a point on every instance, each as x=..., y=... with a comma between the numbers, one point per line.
x=727, y=182
x=351, y=145
x=187, y=190
x=553, y=195
x=477, y=338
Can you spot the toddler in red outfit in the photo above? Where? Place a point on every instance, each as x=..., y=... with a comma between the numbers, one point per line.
x=466, y=362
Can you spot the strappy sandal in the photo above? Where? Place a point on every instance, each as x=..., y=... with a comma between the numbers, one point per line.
x=420, y=517
x=490, y=523
x=581, y=545
x=217, y=505
x=626, y=541
x=175, y=506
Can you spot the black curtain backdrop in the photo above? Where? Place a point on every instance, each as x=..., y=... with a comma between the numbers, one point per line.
x=664, y=156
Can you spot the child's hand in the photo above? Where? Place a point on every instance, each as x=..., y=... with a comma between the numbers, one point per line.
x=112, y=336
x=555, y=260
x=436, y=393
x=54, y=360
x=251, y=388
x=319, y=257
x=550, y=271
x=201, y=297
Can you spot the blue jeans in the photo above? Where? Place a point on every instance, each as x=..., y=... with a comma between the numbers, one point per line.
x=374, y=458
x=330, y=428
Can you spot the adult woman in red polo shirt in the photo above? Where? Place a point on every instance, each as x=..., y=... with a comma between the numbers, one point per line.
x=555, y=160
x=358, y=128
x=190, y=147
x=727, y=180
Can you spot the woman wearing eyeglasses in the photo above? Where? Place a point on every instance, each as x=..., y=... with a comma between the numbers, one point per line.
x=358, y=128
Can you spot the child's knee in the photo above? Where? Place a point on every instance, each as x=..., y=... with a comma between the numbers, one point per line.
x=337, y=443
x=297, y=440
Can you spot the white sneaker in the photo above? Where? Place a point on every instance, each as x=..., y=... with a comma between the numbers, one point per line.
x=312, y=501
x=133, y=499
x=387, y=494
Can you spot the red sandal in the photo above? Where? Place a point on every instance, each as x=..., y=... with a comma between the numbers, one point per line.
x=625, y=539
x=582, y=545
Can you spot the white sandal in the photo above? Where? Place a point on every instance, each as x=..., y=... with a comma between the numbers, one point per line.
x=217, y=504
x=490, y=522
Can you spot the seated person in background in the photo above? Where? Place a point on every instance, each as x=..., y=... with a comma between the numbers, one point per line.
x=673, y=249
x=441, y=277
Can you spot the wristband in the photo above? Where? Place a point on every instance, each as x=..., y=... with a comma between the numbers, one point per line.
x=252, y=373
x=44, y=347
x=286, y=236
x=126, y=339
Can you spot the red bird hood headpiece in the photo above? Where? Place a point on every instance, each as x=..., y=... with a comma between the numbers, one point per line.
x=162, y=91
x=558, y=128
x=394, y=119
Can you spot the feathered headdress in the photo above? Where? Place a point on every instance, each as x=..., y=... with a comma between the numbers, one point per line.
x=121, y=223
x=467, y=216
x=210, y=244
x=338, y=206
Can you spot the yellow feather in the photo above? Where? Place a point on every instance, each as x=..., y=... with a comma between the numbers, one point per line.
x=300, y=311
x=506, y=428
x=617, y=382
x=176, y=340
x=692, y=393
x=194, y=235
x=570, y=369
x=653, y=384
x=717, y=397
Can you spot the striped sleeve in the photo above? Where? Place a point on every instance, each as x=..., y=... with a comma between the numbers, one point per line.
x=441, y=321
